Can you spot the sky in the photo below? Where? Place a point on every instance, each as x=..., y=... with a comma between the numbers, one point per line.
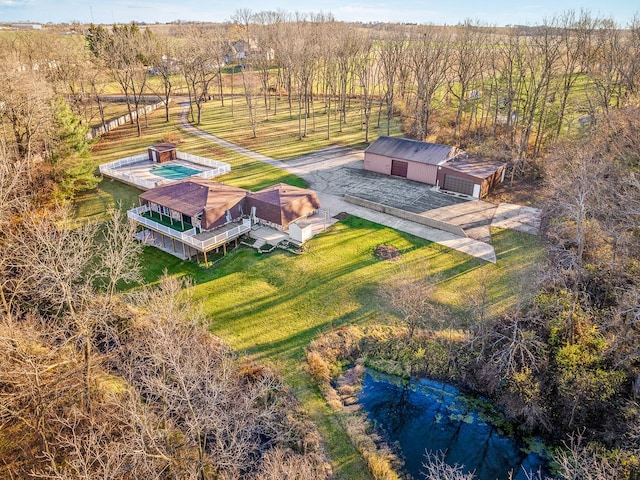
x=451, y=12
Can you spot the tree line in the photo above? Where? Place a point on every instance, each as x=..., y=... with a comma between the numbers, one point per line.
x=514, y=90
x=507, y=92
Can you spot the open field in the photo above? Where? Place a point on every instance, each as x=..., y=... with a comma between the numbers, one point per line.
x=270, y=307
x=277, y=137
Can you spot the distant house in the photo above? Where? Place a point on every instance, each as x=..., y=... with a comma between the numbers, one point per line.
x=27, y=26
x=440, y=165
x=196, y=215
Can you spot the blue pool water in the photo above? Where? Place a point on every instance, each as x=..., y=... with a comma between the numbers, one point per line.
x=429, y=415
x=174, y=172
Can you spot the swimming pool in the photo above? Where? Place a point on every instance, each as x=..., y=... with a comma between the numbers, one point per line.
x=174, y=172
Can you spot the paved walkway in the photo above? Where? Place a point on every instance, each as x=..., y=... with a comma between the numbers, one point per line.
x=309, y=166
x=517, y=217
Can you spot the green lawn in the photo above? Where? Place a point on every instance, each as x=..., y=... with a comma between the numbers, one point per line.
x=110, y=193
x=245, y=172
x=270, y=307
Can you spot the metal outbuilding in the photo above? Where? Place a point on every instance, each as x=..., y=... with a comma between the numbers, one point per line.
x=444, y=166
x=470, y=176
x=407, y=158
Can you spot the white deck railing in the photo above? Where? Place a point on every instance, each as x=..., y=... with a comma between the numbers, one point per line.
x=188, y=237
x=125, y=161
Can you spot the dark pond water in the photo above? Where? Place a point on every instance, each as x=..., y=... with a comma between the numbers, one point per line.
x=430, y=415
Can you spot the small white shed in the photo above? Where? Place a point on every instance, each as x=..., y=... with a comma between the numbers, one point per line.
x=300, y=232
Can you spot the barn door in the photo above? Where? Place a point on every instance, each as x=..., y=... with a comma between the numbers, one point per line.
x=399, y=168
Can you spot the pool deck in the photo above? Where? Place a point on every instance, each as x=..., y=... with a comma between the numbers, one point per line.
x=137, y=170
x=144, y=169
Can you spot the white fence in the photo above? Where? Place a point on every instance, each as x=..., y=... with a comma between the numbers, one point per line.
x=116, y=122
x=216, y=168
x=188, y=237
x=110, y=170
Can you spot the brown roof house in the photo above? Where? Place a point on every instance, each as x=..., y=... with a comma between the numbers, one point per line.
x=282, y=204
x=200, y=203
x=434, y=164
x=197, y=215
x=192, y=216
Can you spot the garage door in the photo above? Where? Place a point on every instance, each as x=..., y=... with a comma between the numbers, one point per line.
x=457, y=184
x=399, y=168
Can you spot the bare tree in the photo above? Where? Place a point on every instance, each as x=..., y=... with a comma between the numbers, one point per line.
x=435, y=468
x=603, y=91
x=365, y=68
x=577, y=36
x=281, y=464
x=575, y=192
x=199, y=65
x=516, y=346
x=36, y=378
x=429, y=56
x=196, y=384
x=126, y=52
x=409, y=295
x=162, y=57
x=392, y=56
x=27, y=110
x=467, y=62
x=578, y=461
x=120, y=252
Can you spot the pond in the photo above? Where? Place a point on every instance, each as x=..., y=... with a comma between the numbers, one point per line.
x=429, y=415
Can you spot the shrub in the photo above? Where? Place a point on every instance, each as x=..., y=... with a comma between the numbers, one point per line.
x=318, y=368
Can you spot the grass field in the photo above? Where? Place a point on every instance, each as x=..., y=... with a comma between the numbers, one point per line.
x=270, y=307
x=277, y=137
